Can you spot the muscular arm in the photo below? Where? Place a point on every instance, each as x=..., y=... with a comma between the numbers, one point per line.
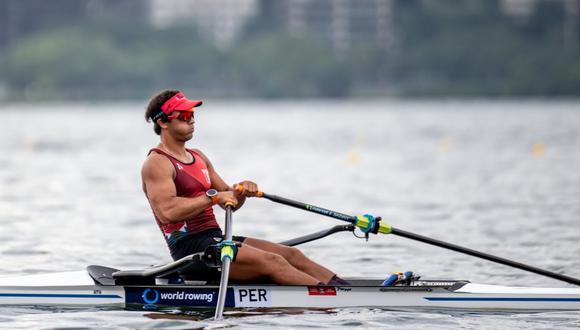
x=218, y=183
x=157, y=174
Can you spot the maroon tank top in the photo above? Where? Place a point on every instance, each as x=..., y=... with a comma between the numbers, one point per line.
x=191, y=180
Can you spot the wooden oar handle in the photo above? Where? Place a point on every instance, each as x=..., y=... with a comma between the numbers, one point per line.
x=229, y=204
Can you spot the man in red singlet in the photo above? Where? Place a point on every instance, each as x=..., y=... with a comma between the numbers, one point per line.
x=182, y=186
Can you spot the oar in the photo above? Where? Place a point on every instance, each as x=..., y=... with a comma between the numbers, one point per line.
x=370, y=224
x=227, y=256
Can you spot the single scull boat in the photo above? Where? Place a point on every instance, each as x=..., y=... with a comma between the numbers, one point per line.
x=164, y=286
x=104, y=286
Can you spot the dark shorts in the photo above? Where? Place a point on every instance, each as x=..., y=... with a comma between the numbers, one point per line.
x=195, y=243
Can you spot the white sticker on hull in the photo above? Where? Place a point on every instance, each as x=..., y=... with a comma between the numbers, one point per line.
x=253, y=297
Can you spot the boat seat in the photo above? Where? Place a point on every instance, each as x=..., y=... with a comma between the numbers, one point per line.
x=175, y=272
x=149, y=275
x=170, y=272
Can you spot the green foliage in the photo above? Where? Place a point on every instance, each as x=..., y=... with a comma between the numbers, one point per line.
x=116, y=61
x=444, y=47
x=470, y=48
x=281, y=66
x=106, y=61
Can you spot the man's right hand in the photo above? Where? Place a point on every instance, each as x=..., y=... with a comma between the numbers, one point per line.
x=225, y=197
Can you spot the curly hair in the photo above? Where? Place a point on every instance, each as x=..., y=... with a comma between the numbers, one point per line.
x=154, y=107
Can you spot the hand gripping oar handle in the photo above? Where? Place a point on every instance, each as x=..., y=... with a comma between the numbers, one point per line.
x=380, y=227
x=227, y=256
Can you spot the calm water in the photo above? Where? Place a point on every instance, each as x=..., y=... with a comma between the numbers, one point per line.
x=501, y=177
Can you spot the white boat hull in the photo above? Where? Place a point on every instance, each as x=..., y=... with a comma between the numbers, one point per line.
x=80, y=289
x=59, y=289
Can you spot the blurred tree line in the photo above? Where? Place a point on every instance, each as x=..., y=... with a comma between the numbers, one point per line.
x=441, y=48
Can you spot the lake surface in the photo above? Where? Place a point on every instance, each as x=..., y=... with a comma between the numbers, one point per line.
x=496, y=176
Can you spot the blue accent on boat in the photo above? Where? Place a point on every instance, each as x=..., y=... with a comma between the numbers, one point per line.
x=390, y=280
x=176, y=296
x=57, y=295
x=501, y=299
x=155, y=296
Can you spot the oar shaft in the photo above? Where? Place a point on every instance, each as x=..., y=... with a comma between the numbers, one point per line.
x=483, y=255
x=386, y=229
x=308, y=207
x=219, y=310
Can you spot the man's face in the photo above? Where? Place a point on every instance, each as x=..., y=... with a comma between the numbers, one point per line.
x=181, y=125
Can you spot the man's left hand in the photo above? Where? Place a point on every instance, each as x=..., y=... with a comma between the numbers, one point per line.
x=246, y=188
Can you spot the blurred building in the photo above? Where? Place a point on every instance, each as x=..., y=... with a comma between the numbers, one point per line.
x=518, y=8
x=523, y=9
x=221, y=21
x=342, y=23
x=337, y=23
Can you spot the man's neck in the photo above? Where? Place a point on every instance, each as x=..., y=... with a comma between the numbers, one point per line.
x=176, y=148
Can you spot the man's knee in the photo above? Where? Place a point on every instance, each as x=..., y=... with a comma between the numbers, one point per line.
x=272, y=262
x=293, y=254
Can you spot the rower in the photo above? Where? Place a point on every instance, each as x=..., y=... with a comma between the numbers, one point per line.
x=182, y=186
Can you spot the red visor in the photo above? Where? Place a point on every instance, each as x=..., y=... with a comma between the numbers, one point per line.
x=179, y=102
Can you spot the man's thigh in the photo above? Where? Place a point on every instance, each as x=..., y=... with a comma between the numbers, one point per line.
x=268, y=246
x=250, y=264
